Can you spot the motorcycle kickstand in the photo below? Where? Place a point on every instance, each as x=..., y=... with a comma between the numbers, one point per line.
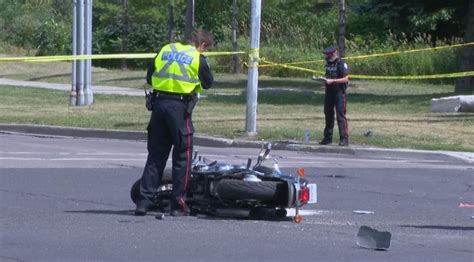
x=160, y=216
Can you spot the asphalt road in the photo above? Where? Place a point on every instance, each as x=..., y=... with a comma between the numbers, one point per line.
x=67, y=199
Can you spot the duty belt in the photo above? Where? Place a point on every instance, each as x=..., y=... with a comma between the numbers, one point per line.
x=166, y=95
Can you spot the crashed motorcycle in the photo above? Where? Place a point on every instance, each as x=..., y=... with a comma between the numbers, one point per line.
x=246, y=191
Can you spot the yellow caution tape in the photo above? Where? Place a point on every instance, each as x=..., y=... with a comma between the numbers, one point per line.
x=254, y=60
x=386, y=54
x=434, y=76
x=224, y=53
x=254, y=55
x=409, y=51
x=98, y=56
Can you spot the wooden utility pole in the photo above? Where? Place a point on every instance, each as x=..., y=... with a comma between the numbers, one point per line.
x=235, y=58
x=171, y=23
x=342, y=28
x=125, y=32
x=189, y=27
x=466, y=84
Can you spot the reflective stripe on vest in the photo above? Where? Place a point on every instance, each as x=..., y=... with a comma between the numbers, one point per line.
x=177, y=68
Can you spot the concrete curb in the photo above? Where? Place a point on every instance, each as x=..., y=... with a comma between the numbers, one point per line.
x=201, y=140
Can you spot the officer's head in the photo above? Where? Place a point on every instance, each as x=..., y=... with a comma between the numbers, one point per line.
x=201, y=39
x=330, y=53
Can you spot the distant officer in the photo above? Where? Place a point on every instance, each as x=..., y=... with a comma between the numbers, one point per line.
x=178, y=75
x=336, y=82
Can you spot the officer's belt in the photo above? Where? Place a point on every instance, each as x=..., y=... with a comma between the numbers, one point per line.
x=166, y=95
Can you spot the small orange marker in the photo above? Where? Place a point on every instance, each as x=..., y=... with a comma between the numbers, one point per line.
x=298, y=219
x=300, y=171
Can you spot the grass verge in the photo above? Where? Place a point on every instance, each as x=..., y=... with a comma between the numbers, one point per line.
x=382, y=114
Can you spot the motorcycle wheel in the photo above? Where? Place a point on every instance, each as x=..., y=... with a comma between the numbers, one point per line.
x=135, y=190
x=268, y=191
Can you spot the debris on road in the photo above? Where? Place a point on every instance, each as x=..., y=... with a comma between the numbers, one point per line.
x=465, y=205
x=363, y=212
x=373, y=239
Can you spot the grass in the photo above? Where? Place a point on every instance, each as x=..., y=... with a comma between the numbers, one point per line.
x=396, y=113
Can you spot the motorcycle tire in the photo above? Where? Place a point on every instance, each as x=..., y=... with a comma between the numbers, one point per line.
x=267, y=191
x=135, y=190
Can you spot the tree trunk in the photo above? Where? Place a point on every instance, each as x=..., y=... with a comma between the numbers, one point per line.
x=189, y=19
x=465, y=85
x=235, y=58
x=342, y=28
x=125, y=32
x=171, y=23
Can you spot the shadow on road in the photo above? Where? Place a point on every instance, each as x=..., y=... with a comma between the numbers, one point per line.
x=154, y=213
x=103, y=212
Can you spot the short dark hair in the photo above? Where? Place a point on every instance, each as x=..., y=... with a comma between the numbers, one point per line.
x=200, y=36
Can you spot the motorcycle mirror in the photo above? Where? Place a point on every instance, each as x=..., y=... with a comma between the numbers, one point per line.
x=264, y=153
x=249, y=163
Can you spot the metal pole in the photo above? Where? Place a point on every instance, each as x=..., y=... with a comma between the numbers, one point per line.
x=80, y=51
x=89, y=99
x=252, y=84
x=73, y=95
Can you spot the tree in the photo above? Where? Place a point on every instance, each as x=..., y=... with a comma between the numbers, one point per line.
x=342, y=27
x=466, y=84
x=189, y=19
x=235, y=58
x=125, y=32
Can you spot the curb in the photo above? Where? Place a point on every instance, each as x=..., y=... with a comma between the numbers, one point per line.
x=202, y=140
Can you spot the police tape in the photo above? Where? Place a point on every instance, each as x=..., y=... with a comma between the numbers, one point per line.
x=384, y=54
x=419, y=77
x=253, y=55
x=99, y=56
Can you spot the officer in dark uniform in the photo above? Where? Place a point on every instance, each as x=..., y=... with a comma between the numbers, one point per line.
x=178, y=75
x=336, y=80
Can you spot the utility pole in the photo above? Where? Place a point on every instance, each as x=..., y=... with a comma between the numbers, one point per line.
x=81, y=91
x=189, y=27
x=125, y=33
x=342, y=28
x=235, y=58
x=252, y=83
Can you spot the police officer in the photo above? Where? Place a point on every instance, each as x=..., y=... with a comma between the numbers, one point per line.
x=178, y=75
x=336, y=80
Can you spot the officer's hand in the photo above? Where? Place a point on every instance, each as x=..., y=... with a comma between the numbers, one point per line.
x=330, y=81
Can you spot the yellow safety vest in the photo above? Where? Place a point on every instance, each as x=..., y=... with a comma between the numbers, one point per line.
x=176, y=70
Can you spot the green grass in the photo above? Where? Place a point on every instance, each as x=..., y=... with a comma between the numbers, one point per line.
x=397, y=114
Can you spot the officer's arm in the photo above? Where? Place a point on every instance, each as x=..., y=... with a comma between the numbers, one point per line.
x=150, y=71
x=343, y=70
x=205, y=74
x=338, y=80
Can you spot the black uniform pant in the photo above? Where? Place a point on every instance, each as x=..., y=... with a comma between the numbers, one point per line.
x=335, y=99
x=170, y=126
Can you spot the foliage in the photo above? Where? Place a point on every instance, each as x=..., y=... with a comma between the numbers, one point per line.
x=291, y=31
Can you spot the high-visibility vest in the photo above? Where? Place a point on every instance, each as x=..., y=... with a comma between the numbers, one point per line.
x=176, y=69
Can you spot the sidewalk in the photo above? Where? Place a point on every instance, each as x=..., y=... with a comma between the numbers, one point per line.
x=201, y=140
x=107, y=90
